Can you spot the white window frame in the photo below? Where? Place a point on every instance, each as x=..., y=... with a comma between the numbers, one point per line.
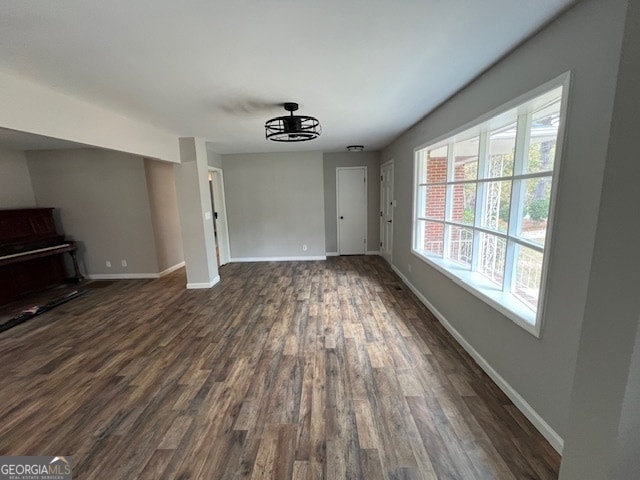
x=475, y=283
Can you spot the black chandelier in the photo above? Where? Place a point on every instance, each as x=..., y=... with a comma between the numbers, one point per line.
x=292, y=128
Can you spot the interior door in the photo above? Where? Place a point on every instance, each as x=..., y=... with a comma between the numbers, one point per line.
x=352, y=210
x=215, y=217
x=221, y=229
x=386, y=211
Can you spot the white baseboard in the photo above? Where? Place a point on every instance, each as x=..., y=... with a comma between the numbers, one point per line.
x=277, y=259
x=133, y=276
x=527, y=410
x=169, y=270
x=336, y=254
x=195, y=286
x=121, y=276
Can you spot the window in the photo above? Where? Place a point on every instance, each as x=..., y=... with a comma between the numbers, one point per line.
x=482, y=203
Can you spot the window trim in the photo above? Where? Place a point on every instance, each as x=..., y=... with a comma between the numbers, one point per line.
x=471, y=281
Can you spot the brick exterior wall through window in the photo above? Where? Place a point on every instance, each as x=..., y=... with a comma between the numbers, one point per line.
x=434, y=206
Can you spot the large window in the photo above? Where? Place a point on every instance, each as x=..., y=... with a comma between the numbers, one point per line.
x=482, y=205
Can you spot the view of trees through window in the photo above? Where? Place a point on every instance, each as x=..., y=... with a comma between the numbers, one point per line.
x=483, y=198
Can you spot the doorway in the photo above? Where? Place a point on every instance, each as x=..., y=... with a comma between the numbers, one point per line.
x=387, y=205
x=351, y=190
x=220, y=228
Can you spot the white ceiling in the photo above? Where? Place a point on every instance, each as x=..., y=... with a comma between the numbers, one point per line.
x=217, y=69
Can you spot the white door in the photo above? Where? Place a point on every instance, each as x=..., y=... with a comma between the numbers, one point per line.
x=221, y=229
x=386, y=211
x=351, y=190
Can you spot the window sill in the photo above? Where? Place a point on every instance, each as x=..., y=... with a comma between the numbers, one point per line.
x=480, y=287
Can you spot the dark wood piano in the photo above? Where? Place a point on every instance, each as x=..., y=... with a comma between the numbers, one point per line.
x=31, y=253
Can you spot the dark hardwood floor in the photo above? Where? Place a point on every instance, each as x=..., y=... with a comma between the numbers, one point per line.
x=301, y=370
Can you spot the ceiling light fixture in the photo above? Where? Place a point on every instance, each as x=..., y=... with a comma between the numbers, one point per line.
x=355, y=148
x=292, y=128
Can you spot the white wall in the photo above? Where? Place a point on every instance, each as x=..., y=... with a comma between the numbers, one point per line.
x=163, y=204
x=331, y=161
x=275, y=205
x=27, y=106
x=586, y=40
x=101, y=197
x=15, y=183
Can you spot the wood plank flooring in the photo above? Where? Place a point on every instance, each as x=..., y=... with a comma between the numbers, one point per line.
x=288, y=370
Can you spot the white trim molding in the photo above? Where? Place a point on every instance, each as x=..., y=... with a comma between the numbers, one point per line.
x=169, y=270
x=122, y=276
x=527, y=410
x=332, y=254
x=278, y=259
x=195, y=286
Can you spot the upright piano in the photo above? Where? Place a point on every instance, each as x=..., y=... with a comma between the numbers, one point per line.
x=31, y=253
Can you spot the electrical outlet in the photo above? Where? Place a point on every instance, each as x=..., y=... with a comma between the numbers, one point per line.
x=108, y=262
x=409, y=268
x=124, y=263
x=304, y=248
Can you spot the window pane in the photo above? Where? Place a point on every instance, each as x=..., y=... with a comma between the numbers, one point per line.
x=434, y=202
x=533, y=218
x=502, y=145
x=543, y=137
x=465, y=160
x=492, y=256
x=497, y=197
x=435, y=166
x=460, y=245
x=528, y=275
x=463, y=203
x=481, y=213
x=430, y=238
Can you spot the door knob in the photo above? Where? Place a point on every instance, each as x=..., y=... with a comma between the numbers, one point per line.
x=341, y=218
x=389, y=221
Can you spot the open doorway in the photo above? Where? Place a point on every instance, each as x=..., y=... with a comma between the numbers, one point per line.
x=220, y=228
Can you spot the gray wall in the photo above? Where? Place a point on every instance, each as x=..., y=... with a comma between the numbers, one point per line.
x=331, y=161
x=275, y=204
x=586, y=40
x=15, y=183
x=604, y=425
x=214, y=159
x=163, y=204
x=196, y=213
x=102, y=200
x=626, y=460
